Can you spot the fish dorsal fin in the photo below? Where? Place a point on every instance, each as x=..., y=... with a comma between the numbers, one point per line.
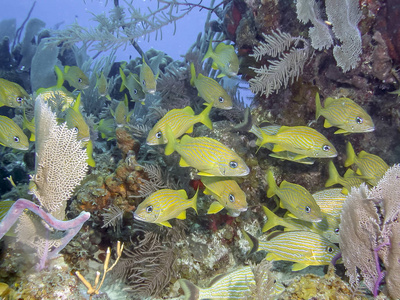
x=327, y=124
x=182, y=215
x=166, y=223
x=182, y=193
x=188, y=110
x=362, y=154
x=299, y=266
x=183, y=163
x=299, y=156
x=215, y=207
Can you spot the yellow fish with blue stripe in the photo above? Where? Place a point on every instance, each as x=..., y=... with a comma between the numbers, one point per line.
x=303, y=140
x=305, y=248
x=224, y=58
x=371, y=167
x=164, y=205
x=74, y=75
x=330, y=201
x=180, y=121
x=295, y=199
x=228, y=194
x=235, y=284
x=349, y=180
x=11, y=135
x=345, y=114
x=210, y=90
x=89, y=151
x=12, y=94
x=102, y=86
x=147, y=79
x=75, y=120
x=207, y=155
x=132, y=84
x=121, y=114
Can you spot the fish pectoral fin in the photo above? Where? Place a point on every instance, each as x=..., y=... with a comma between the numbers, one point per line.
x=289, y=214
x=205, y=174
x=299, y=156
x=327, y=124
x=299, y=266
x=183, y=163
x=278, y=148
x=271, y=256
x=341, y=131
x=358, y=172
x=182, y=215
x=165, y=223
x=215, y=207
x=221, y=75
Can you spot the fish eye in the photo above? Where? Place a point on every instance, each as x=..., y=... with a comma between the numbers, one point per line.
x=231, y=198
x=326, y=148
x=79, y=80
x=16, y=139
x=144, y=82
x=336, y=230
x=359, y=120
x=19, y=99
x=158, y=134
x=329, y=249
x=233, y=164
x=149, y=208
x=221, y=100
x=308, y=209
x=76, y=129
x=135, y=91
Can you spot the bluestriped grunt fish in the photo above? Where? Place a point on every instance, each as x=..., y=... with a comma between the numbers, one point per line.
x=305, y=248
x=102, y=86
x=371, y=167
x=131, y=82
x=345, y=114
x=74, y=75
x=11, y=135
x=228, y=194
x=303, y=140
x=295, y=199
x=12, y=94
x=350, y=179
x=75, y=120
x=207, y=155
x=181, y=121
x=147, y=79
x=224, y=58
x=210, y=90
x=164, y=205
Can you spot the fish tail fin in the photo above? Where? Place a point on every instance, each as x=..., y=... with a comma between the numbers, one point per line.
x=333, y=175
x=272, y=219
x=318, y=106
x=170, y=147
x=60, y=76
x=272, y=186
x=77, y=103
x=209, y=51
x=253, y=242
x=204, y=116
x=351, y=155
x=89, y=151
x=192, y=73
x=190, y=289
x=123, y=78
x=194, y=201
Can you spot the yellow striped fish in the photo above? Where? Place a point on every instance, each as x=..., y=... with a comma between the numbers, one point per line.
x=295, y=199
x=12, y=94
x=102, y=86
x=228, y=194
x=74, y=75
x=75, y=120
x=305, y=248
x=121, y=114
x=132, y=84
x=147, y=79
x=164, y=205
x=231, y=285
x=210, y=90
x=370, y=166
x=11, y=135
x=207, y=155
x=181, y=121
x=303, y=140
x=330, y=201
x=224, y=58
x=345, y=114
x=349, y=180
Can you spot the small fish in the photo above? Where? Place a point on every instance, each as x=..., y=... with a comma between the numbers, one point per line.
x=121, y=114
x=75, y=120
x=295, y=198
x=12, y=94
x=224, y=58
x=102, y=86
x=303, y=140
x=305, y=248
x=132, y=84
x=11, y=135
x=181, y=121
x=349, y=180
x=328, y=227
x=164, y=205
x=210, y=90
x=147, y=80
x=57, y=97
x=207, y=155
x=330, y=201
x=345, y=114
x=228, y=194
x=371, y=167
x=74, y=75
x=235, y=284
x=106, y=127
